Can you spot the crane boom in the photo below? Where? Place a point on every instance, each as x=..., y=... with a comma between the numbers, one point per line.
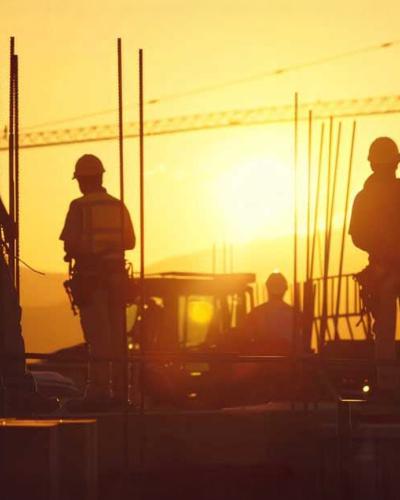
x=344, y=108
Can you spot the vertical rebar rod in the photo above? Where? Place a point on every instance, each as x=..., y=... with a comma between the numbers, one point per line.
x=324, y=319
x=11, y=166
x=122, y=222
x=330, y=225
x=328, y=193
x=334, y=183
x=120, y=123
x=344, y=226
x=331, y=215
x=317, y=201
x=295, y=161
x=295, y=242
x=309, y=158
x=142, y=250
x=17, y=177
x=141, y=159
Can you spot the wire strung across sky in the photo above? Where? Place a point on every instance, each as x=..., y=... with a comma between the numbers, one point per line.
x=218, y=86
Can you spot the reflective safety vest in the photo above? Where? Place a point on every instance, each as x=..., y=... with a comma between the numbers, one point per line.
x=97, y=224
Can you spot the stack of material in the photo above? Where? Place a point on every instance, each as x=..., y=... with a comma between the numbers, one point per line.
x=48, y=459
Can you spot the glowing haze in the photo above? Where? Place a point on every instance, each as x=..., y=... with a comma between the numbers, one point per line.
x=232, y=185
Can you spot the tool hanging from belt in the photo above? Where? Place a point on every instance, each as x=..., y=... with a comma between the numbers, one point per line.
x=84, y=279
x=369, y=283
x=68, y=286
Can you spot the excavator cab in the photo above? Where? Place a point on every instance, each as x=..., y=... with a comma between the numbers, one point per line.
x=186, y=313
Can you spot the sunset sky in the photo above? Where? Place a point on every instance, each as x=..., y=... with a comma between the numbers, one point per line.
x=203, y=187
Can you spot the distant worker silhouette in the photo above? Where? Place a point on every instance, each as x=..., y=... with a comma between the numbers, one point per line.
x=270, y=325
x=375, y=228
x=97, y=231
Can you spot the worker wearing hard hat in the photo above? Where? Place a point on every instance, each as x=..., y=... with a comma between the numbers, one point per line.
x=270, y=326
x=97, y=231
x=375, y=228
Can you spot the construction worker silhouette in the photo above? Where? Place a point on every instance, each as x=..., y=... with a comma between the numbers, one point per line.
x=375, y=228
x=270, y=325
x=97, y=231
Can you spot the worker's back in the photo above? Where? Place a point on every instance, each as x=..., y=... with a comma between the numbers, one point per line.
x=270, y=327
x=93, y=226
x=375, y=221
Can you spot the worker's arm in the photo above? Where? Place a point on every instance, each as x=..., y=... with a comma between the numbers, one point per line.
x=71, y=232
x=7, y=223
x=366, y=229
x=129, y=232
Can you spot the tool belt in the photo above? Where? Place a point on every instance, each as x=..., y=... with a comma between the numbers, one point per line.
x=369, y=283
x=87, y=277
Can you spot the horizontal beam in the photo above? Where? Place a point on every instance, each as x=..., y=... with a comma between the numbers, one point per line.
x=345, y=108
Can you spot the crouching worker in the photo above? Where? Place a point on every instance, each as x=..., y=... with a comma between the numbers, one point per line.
x=96, y=233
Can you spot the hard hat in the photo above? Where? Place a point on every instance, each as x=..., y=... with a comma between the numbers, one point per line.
x=276, y=284
x=88, y=165
x=383, y=151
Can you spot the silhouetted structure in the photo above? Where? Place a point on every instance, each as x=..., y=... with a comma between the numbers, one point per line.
x=97, y=231
x=12, y=361
x=375, y=228
x=18, y=394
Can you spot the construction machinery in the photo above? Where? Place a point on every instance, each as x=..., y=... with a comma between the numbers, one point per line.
x=193, y=349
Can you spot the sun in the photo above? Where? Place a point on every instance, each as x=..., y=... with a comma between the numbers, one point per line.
x=255, y=199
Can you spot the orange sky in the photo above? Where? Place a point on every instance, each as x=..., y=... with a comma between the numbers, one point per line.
x=231, y=184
